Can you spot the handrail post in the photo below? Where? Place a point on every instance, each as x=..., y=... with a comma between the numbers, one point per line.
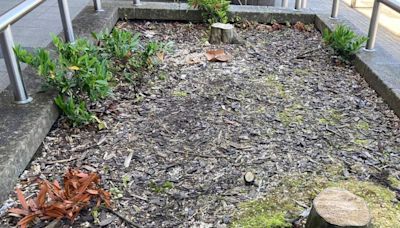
x=137, y=2
x=66, y=21
x=335, y=9
x=304, y=4
x=13, y=67
x=285, y=3
x=97, y=5
x=297, y=5
x=373, y=26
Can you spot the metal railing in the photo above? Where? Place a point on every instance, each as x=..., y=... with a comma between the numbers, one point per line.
x=7, y=41
x=298, y=4
x=373, y=26
x=335, y=9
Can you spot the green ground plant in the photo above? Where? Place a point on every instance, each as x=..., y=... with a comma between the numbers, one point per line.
x=77, y=72
x=213, y=11
x=344, y=41
x=161, y=188
x=124, y=47
x=119, y=43
x=81, y=72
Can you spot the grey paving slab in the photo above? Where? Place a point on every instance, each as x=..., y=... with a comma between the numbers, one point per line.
x=5, y=5
x=4, y=81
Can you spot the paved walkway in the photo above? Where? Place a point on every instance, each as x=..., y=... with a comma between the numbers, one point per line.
x=34, y=29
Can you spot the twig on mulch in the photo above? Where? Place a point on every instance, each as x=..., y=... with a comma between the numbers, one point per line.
x=127, y=221
x=198, y=155
x=61, y=161
x=81, y=157
x=305, y=54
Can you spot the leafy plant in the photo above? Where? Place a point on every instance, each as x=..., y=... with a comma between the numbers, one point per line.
x=119, y=43
x=74, y=109
x=124, y=47
x=344, y=41
x=153, y=53
x=213, y=11
x=77, y=72
x=56, y=202
x=161, y=188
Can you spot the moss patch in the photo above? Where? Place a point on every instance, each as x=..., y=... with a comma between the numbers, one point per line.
x=284, y=202
x=362, y=125
x=178, y=93
x=291, y=115
x=277, y=87
x=332, y=117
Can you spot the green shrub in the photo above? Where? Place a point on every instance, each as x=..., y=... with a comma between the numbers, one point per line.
x=119, y=43
x=81, y=71
x=212, y=10
x=125, y=47
x=77, y=72
x=153, y=53
x=74, y=109
x=344, y=41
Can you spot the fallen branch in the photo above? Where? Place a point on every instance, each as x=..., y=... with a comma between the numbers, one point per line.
x=304, y=54
x=127, y=221
x=199, y=155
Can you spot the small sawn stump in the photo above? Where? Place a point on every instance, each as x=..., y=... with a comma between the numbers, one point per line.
x=335, y=207
x=223, y=33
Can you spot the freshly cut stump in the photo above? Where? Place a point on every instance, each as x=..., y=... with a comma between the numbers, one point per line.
x=224, y=33
x=336, y=207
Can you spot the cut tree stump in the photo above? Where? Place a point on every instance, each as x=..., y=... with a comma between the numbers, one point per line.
x=335, y=207
x=223, y=33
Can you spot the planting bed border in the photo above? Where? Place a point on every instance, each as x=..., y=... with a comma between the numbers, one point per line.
x=24, y=127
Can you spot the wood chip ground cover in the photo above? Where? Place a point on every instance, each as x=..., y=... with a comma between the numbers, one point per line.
x=177, y=147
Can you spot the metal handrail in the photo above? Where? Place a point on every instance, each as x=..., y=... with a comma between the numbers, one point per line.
x=373, y=26
x=297, y=5
x=17, y=12
x=7, y=42
x=97, y=5
x=335, y=9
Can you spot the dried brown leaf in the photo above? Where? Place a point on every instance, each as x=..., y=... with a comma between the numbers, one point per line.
x=299, y=26
x=41, y=198
x=56, y=202
x=218, y=55
x=21, y=199
x=26, y=220
x=18, y=211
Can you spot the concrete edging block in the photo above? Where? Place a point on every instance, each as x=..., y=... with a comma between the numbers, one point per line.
x=378, y=68
x=25, y=126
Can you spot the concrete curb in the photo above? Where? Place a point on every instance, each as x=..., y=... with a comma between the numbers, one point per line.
x=26, y=126
x=378, y=68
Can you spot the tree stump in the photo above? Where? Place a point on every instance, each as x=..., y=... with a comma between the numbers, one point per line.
x=335, y=207
x=223, y=33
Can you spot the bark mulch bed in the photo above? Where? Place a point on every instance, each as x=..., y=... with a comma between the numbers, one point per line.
x=177, y=147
